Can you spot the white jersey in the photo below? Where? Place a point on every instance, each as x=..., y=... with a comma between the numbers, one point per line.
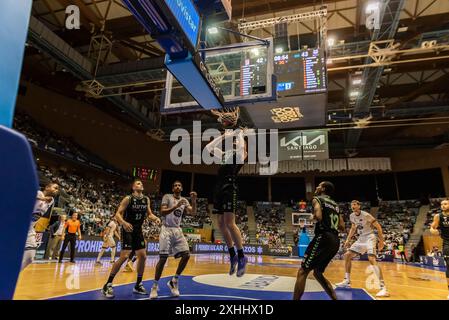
x=363, y=221
x=40, y=208
x=112, y=227
x=174, y=218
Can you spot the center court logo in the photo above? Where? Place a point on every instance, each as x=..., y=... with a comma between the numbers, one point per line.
x=220, y=146
x=259, y=282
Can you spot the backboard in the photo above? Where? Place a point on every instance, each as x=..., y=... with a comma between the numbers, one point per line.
x=243, y=72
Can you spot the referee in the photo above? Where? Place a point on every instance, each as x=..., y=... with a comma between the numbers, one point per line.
x=73, y=226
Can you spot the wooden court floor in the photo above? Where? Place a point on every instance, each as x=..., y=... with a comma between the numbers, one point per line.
x=46, y=280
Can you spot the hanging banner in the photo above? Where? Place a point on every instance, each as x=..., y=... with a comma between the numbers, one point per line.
x=303, y=145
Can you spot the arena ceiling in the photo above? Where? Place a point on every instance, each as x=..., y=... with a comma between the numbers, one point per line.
x=405, y=95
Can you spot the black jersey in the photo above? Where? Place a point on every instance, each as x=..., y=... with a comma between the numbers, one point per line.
x=136, y=211
x=444, y=226
x=230, y=167
x=331, y=215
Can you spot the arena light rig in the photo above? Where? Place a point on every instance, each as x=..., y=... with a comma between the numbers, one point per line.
x=175, y=25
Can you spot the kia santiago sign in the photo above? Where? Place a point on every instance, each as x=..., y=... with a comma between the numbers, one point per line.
x=187, y=17
x=303, y=145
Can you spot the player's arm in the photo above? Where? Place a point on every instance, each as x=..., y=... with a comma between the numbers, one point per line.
x=119, y=215
x=165, y=210
x=213, y=149
x=151, y=215
x=117, y=234
x=341, y=223
x=192, y=209
x=350, y=234
x=317, y=212
x=41, y=197
x=380, y=233
x=243, y=151
x=106, y=231
x=435, y=224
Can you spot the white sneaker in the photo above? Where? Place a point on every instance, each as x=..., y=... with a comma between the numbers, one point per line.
x=383, y=293
x=344, y=284
x=173, y=285
x=153, y=293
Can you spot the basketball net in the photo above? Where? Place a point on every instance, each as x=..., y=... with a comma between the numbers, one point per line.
x=228, y=117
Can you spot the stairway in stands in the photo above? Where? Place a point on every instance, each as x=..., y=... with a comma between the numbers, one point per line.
x=251, y=224
x=288, y=227
x=418, y=228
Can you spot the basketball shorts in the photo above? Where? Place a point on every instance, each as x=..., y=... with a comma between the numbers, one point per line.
x=133, y=240
x=172, y=241
x=31, y=241
x=225, y=197
x=320, y=251
x=366, y=244
x=108, y=242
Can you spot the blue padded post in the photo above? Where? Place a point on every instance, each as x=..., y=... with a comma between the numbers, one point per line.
x=18, y=178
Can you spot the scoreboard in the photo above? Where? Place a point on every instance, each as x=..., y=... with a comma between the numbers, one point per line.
x=145, y=174
x=300, y=72
x=253, y=75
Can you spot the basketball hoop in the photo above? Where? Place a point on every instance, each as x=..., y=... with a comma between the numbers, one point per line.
x=228, y=117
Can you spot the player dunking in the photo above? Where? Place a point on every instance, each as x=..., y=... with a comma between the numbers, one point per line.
x=441, y=221
x=325, y=244
x=226, y=188
x=131, y=213
x=171, y=238
x=364, y=224
x=108, y=240
x=44, y=203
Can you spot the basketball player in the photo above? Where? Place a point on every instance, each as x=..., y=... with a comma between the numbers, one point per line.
x=43, y=206
x=441, y=221
x=108, y=240
x=325, y=244
x=131, y=213
x=171, y=238
x=364, y=224
x=226, y=188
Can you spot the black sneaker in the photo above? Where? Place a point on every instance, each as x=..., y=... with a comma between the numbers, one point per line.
x=140, y=289
x=234, y=261
x=107, y=291
x=241, y=268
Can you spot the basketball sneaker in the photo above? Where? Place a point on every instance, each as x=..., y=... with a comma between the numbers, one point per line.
x=344, y=284
x=241, y=266
x=107, y=291
x=234, y=262
x=173, y=285
x=140, y=289
x=383, y=293
x=98, y=263
x=153, y=293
